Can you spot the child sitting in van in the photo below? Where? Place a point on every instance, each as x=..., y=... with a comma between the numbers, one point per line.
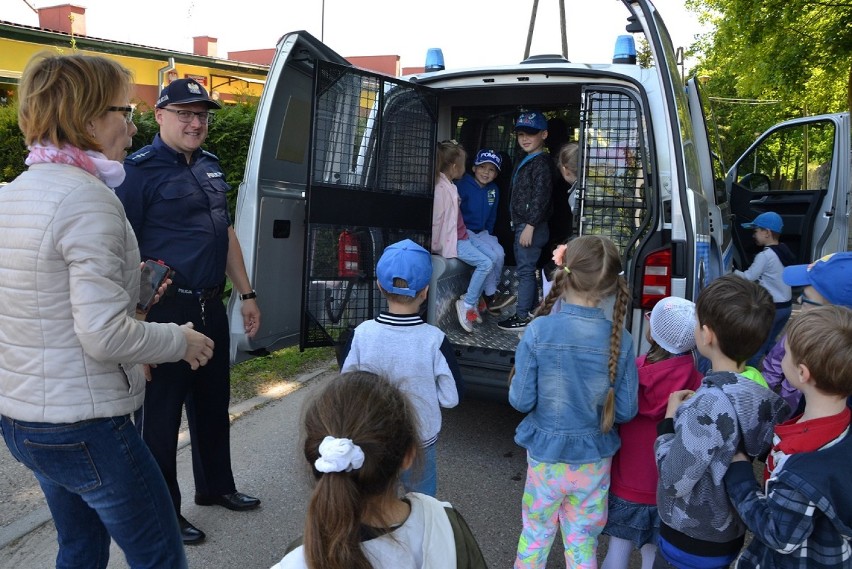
x=450, y=237
x=479, y=196
x=766, y=270
x=532, y=186
x=668, y=366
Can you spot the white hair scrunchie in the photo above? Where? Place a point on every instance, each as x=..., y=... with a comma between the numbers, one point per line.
x=339, y=455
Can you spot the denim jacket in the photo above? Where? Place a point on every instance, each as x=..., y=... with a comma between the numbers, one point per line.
x=561, y=381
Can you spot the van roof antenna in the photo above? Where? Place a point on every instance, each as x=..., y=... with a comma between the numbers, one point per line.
x=561, y=26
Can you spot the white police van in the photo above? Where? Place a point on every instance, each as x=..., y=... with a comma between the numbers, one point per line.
x=341, y=165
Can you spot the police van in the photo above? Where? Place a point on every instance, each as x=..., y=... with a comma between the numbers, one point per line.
x=341, y=165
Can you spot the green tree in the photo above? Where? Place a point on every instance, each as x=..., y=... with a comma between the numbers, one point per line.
x=795, y=55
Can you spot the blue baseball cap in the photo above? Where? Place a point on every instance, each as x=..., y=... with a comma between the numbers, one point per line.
x=766, y=220
x=488, y=156
x=184, y=91
x=404, y=260
x=531, y=121
x=831, y=276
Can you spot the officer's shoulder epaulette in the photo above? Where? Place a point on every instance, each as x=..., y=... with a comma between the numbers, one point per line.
x=141, y=155
x=210, y=155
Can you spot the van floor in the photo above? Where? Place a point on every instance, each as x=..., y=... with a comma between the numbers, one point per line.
x=486, y=335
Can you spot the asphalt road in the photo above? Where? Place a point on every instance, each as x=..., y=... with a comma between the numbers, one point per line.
x=481, y=472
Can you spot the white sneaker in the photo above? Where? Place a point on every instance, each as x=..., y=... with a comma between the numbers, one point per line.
x=466, y=317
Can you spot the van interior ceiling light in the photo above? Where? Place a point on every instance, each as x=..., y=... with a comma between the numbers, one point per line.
x=625, y=50
x=434, y=59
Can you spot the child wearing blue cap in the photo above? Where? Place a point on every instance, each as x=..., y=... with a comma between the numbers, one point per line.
x=479, y=197
x=827, y=280
x=766, y=269
x=532, y=186
x=412, y=354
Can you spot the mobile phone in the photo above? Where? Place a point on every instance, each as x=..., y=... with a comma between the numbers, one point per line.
x=154, y=274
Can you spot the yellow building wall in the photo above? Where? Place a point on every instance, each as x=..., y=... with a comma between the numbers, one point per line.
x=17, y=53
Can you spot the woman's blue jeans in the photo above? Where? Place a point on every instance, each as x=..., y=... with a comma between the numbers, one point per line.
x=100, y=481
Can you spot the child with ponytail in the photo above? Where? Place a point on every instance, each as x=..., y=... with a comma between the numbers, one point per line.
x=360, y=434
x=575, y=377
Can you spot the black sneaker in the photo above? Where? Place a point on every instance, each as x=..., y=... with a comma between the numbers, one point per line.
x=514, y=323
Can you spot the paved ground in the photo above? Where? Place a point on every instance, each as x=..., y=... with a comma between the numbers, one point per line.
x=481, y=471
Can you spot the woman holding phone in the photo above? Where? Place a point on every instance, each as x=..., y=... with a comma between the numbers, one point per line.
x=71, y=348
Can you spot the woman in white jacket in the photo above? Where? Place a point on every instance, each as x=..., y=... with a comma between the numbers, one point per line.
x=71, y=348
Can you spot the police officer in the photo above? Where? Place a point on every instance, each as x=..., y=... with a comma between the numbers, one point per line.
x=175, y=198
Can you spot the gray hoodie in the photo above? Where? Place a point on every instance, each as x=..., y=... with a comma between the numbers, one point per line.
x=728, y=412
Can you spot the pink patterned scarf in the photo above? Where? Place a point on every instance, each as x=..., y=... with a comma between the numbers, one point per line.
x=108, y=171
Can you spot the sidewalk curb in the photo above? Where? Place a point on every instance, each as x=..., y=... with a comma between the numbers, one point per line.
x=37, y=518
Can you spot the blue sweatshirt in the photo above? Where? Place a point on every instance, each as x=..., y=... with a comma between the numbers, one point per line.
x=478, y=204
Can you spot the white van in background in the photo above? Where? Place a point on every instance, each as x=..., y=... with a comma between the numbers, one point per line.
x=341, y=165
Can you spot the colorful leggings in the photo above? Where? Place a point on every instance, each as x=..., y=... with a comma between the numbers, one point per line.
x=574, y=496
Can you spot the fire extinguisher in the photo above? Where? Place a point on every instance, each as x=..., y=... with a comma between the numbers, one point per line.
x=348, y=255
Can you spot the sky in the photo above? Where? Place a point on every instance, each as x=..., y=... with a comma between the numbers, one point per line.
x=469, y=32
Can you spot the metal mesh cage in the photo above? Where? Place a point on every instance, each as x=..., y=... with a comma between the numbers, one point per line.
x=342, y=291
x=363, y=120
x=613, y=202
x=372, y=153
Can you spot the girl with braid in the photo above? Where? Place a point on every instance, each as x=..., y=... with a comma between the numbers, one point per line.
x=575, y=376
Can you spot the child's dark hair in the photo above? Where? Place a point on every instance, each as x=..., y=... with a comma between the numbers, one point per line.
x=377, y=417
x=739, y=312
x=821, y=338
x=592, y=266
x=446, y=153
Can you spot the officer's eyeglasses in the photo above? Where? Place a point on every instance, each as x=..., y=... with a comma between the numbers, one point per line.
x=803, y=300
x=186, y=116
x=128, y=112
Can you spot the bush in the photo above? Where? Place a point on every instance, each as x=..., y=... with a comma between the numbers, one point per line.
x=13, y=152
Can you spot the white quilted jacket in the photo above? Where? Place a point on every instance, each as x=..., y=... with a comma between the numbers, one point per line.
x=69, y=281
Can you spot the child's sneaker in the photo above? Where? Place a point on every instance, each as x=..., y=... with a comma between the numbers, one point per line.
x=465, y=316
x=477, y=311
x=500, y=301
x=514, y=323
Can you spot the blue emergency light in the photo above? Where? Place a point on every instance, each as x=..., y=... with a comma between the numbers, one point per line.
x=434, y=59
x=625, y=50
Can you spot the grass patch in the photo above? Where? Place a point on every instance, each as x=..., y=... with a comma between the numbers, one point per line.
x=252, y=377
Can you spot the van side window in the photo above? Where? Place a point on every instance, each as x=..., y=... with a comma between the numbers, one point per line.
x=795, y=158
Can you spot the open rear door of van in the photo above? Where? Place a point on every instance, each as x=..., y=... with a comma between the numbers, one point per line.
x=799, y=169
x=270, y=213
x=370, y=184
x=340, y=165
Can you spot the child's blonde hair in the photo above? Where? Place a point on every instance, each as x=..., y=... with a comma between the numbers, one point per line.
x=447, y=153
x=569, y=157
x=592, y=267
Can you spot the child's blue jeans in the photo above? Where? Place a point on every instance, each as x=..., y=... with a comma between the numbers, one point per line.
x=526, y=259
x=481, y=263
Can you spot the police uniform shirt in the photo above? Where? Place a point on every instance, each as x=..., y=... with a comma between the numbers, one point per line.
x=179, y=212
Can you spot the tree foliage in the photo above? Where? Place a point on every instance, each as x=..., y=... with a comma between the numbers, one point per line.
x=794, y=54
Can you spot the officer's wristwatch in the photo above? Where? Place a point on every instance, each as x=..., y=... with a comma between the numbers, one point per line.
x=248, y=295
